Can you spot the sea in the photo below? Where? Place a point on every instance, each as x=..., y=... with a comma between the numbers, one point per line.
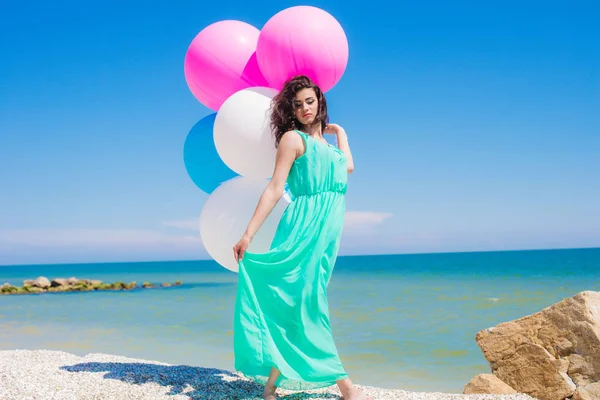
x=400, y=321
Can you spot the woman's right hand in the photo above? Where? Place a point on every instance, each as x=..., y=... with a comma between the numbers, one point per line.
x=240, y=248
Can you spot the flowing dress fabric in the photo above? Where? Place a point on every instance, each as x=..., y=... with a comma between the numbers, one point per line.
x=281, y=316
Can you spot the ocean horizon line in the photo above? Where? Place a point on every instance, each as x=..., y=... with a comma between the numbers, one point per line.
x=339, y=256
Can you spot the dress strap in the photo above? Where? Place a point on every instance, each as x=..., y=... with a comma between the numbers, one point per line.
x=303, y=136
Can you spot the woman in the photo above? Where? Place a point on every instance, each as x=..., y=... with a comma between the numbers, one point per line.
x=282, y=335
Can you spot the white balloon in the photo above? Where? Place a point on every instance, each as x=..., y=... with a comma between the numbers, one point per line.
x=226, y=214
x=242, y=132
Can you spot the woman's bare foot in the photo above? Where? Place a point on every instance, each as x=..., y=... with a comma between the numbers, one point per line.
x=270, y=388
x=357, y=394
x=269, y=393
x=351, y=392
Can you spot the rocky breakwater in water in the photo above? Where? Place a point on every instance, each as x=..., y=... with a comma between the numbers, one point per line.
x=44, y=285
x=553, y=354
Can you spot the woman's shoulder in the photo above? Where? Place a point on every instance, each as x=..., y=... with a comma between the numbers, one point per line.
x=291, y=139
x=293, y=132
x=292, y=136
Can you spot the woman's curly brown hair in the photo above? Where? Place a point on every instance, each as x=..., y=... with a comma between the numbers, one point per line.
x=283, y=118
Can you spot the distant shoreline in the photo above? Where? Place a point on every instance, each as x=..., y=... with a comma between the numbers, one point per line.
x=64, y=285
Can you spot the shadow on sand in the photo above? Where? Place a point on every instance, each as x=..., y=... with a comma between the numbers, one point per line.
x=194, y=382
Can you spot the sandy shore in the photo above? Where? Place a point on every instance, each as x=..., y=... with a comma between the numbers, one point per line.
x=53, y=375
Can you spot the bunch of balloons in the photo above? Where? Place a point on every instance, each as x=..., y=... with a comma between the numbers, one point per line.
x=235, y=70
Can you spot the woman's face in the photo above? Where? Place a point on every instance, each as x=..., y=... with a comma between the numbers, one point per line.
x=306, y=106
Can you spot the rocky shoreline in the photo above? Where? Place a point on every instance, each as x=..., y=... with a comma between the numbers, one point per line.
x=58, y=285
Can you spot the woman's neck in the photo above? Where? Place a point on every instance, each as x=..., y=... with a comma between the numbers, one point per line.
x=313, y=130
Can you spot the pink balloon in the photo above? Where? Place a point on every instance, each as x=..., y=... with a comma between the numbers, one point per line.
x=221, y=60
x=302, y=40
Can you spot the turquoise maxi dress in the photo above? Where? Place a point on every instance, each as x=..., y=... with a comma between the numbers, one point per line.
x=281, y=316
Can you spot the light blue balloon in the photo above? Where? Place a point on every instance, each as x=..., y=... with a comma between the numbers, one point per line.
x=202, y=162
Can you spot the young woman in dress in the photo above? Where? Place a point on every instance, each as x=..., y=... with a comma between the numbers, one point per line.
x=282, y=334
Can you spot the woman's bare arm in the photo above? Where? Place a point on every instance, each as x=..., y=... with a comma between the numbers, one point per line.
x=342, y=143
x=289, y=148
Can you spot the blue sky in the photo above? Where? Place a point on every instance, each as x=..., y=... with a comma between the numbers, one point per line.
x=475, y=125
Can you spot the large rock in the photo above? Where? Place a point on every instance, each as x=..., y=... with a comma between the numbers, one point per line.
x=7, y=288
x=589, y=392
x=42, y=282
x=551, y=354
x=487, y=384
x=58, y=282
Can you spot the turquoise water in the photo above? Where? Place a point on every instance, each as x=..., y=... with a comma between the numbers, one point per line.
x=400, y=321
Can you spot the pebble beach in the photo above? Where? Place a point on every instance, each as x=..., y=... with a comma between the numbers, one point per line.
x=54, y=375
